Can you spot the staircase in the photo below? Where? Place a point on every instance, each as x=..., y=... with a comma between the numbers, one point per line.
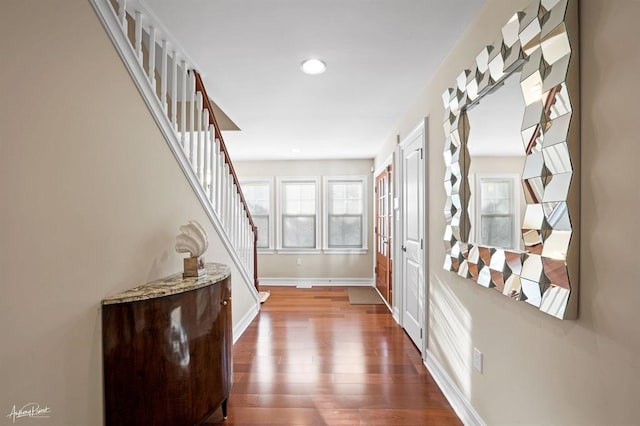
x=175, y=94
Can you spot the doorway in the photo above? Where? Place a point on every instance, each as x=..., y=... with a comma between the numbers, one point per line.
x=411, y=254
x=383, y=236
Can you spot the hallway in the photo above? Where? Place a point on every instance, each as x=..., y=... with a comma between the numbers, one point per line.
x=311, y=358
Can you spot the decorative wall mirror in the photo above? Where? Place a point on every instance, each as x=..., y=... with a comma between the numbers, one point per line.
x=512, y=162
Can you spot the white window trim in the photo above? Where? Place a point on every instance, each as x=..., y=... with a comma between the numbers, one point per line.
x=280, y=180
x=364, y=180
x=516, y=185
x=272, y=228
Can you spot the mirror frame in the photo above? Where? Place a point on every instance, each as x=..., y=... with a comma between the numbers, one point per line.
x=546, y=273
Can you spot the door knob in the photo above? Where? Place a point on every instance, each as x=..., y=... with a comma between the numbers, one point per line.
x=404, y=249
x=224, y=302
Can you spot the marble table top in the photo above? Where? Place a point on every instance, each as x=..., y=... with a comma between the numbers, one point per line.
x=170, y=285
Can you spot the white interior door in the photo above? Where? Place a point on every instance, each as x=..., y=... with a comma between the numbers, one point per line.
x=412, y=225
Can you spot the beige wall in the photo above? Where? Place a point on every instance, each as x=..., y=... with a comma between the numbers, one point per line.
x=319, y=265
x=91, y=201
x=538, y=370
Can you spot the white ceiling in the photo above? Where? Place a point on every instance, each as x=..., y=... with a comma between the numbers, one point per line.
x=380, y=54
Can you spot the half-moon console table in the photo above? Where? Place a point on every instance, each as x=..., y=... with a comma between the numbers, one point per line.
x=167, y=350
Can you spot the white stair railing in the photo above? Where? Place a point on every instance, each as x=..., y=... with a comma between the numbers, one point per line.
x=177, y=98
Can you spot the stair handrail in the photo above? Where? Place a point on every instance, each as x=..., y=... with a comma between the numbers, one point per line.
x=200, y=87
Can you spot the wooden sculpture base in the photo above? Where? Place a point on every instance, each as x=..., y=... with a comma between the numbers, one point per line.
x=194, y=267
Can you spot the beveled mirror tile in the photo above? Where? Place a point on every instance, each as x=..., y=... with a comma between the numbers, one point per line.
x=497, y=280
x=482, y=60
x=463, y=270
x=556, y=245
x=448, y=266
x=447, y=209
x=533, y=64
x=531, y=292
x=497, y=260
x=555, y=45
x=533, y=190
x=462, y=82
x=556, y=74
x=557, y=158
x=530, y=37
x=496, y=68
x=484, y=277
x=485, y=254
x=550, y=4
x=446, y=97
x=561, y=104
x=455, y=264
x=514, y=261
x=533, y=217
x=485, y=83
x=554, y=17
x=513, y=57
x=511, y=30
x=558, y=188
x=557, y=131
x=555, y=301
x=556, y=272
x=512, y=287
x=474, y=254
x=532, y=88
x=533, y=165
x=472, y=90
x=473, y=270
x=532, y=115
x=557, y=216
x=532, y=139
x=454, y=106
x=532, y=267
x=532, y=241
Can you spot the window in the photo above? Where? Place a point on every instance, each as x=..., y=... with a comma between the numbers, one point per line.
x=257, y=193
x=298, y=213
x=497, y=212
x=345, y=213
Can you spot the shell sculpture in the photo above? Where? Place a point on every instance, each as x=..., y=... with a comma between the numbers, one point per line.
x=192, y=239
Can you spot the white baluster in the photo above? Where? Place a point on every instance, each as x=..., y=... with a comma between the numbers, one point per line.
x=164, y=74
x=224, y=204
x=212, y=190
x=122, y=14
x=174, y=90
x=191, y=93
x=138, y=37
x=203, y=158
x=183, y=109
x=206, y=152
x=152, y=57
x=219, y=174
x=195, y=149
x=234, y=213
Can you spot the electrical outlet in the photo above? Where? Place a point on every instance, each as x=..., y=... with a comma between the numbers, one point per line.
x=299, y=261
x=477, y=360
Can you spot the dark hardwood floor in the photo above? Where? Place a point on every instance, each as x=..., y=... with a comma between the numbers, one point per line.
x=311, y=358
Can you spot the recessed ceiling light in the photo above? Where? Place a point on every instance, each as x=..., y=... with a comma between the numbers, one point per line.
x=313, y=66
x=295, y=151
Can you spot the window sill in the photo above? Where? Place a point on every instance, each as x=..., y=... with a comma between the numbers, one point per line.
x=346, y=251
x=298, y=251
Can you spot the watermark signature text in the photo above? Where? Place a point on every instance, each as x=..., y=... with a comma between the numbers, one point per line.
x=31, y=409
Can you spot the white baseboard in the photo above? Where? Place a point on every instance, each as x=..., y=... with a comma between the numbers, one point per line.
x=458, y=401
x=316, y=282
x=242, y=325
